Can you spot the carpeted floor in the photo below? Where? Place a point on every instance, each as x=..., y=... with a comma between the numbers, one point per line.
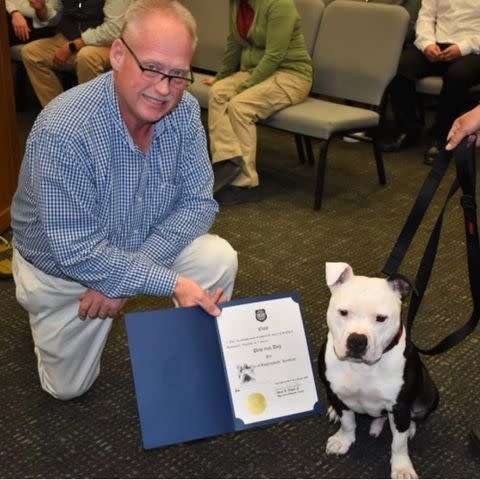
x=283, y=245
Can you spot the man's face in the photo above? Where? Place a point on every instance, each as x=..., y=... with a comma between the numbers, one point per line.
x=161, y=43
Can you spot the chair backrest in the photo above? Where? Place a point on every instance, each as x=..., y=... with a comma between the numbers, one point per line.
x=213, y=23
x=357, y=49
x=310, y=12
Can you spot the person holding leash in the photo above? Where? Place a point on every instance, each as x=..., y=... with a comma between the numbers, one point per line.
x=467, y=125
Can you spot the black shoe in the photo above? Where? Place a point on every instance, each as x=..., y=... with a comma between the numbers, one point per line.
x=432, y=153
x=401, y=141
x=225, y=172
x=475, y=437
x=231, y=195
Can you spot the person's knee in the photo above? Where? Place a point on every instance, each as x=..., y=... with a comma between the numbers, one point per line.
x=219, y=252
x=29, y=53
x=64, y=391
x=89, y=63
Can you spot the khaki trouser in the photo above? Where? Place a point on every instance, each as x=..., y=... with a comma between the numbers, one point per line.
x=69, y=349
x=38, y=55
x=232, y=117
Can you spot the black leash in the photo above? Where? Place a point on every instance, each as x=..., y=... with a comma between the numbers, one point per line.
x=465, y=179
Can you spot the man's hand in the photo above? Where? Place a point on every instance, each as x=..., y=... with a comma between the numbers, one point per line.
x=188, y=294
x=432, y=52
x=61, y=56
x=40, y=8
x=466, y=125
x=208, y=80
x=20, y=26
x=450, y=54
x=94, y=304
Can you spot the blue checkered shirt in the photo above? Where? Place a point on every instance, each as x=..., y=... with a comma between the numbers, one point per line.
x=93, y=208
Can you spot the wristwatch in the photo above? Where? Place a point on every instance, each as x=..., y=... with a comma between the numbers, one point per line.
x=72, y=47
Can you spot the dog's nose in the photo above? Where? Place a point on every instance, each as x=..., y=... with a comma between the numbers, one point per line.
x=357, y=344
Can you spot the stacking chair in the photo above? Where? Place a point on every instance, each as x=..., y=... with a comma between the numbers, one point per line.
x=355, y=57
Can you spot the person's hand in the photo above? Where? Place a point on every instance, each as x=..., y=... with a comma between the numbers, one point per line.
x=94, y=304
x=450, y=54
x=188, y=294
x=20, y=26
x=61, y=56
x=432, y=52
x=37, y=4
x=40, y=8
x=208, y=80
x=466, y=125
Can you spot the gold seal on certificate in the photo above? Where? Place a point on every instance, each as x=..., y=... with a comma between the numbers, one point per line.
x=256, y=403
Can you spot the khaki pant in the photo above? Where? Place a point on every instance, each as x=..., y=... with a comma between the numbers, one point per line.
x=232, y=117
x=37, y=57
x=69, y=349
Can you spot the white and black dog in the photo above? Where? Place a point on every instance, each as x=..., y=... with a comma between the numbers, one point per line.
x=369, y=366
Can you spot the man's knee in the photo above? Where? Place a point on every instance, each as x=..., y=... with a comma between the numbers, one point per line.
x=62, y=390
x=217, y=251
x=29, y=53
x=90, y=62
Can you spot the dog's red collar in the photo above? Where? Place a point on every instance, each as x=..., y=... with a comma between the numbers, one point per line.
x=395, y=339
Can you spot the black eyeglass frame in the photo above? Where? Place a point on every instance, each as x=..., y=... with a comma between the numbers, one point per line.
x=158, y=72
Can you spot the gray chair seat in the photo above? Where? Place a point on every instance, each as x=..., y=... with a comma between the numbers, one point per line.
x=16, y=53
x=321, y=119
x=200, y=90
x=433, y=85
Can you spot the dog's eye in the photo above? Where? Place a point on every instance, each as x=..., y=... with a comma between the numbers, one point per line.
x=381, y=318
x=343, y=313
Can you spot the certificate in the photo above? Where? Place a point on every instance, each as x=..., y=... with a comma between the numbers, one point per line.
x=197, y=376
x=266, y=359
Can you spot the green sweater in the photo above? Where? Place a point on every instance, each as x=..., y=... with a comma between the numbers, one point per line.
x=275, y=42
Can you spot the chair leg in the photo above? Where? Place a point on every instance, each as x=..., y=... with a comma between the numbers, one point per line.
x=379, y=158
x=300, y=150
x=320, y=175
x=308, y=146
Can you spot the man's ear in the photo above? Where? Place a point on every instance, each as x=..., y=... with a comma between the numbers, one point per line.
x=117, y=53
x=337, y=273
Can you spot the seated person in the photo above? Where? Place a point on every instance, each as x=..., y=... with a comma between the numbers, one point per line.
x=266, y=67
x=20, y=23
x=115, y=200
x=447, y=44
x=85, y=31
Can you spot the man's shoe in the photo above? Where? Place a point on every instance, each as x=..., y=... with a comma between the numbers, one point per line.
x=432, y=153
x=401, y=141
x=475, y=437
x=231, y=195
x=225, y=172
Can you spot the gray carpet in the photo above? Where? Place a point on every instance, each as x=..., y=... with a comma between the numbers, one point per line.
x=283, y=245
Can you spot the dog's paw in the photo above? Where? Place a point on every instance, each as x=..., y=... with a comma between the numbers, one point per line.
x=339, y=443
x=403, y=468
x=332, y=415
x=376, y=426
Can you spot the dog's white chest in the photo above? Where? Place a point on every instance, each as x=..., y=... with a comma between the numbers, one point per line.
x=369, y=389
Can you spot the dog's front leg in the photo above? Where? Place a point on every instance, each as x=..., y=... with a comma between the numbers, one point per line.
x=401, y=464
x=340, y=442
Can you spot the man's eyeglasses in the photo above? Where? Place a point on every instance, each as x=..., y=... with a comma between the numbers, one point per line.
x=181, y=80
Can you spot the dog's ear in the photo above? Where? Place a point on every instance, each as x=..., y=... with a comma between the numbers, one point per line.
x=401, y=284
x=337, y=273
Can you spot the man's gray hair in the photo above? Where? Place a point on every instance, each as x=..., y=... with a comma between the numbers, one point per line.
x=141, y=9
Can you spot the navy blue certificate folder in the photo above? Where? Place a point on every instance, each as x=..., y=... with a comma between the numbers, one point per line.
x=180, y=379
